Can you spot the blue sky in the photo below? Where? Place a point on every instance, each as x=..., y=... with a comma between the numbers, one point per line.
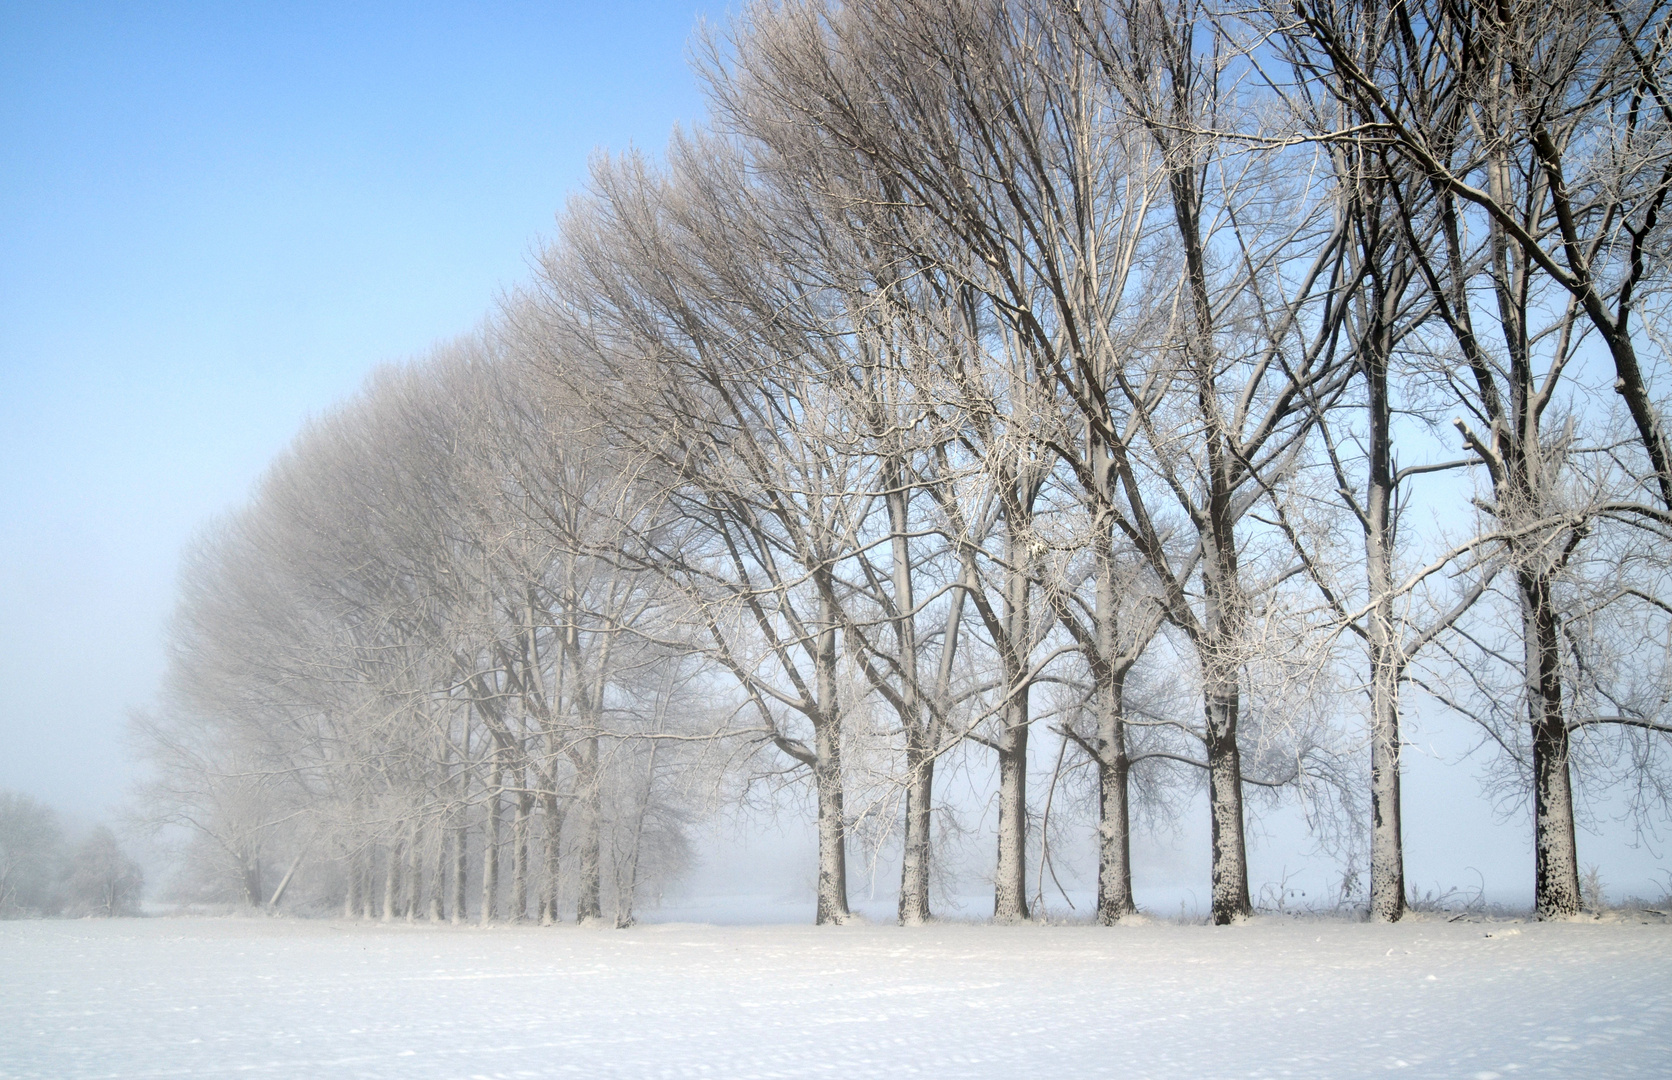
x=214, y=220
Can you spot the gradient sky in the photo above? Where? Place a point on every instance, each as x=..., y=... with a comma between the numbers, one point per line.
x=215, y=219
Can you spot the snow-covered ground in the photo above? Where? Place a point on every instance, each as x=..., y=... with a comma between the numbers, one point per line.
x=201, y=997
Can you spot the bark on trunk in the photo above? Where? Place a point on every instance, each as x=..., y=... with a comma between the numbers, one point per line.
x=1114, y=767
x=914, y=863
x=1114, y=837
x=519, y=856
x=1387, y=856
x=1010, y=900
x=552, y=864
x=1556, y=888
x=1230, y=857
x=920, y=753
x=920, y=757
x=1222, y=620
x=1223, y=624
x=827, y=776
x=1114, y=828
x=833, y=855
x=589, y=890
x=1010, y=888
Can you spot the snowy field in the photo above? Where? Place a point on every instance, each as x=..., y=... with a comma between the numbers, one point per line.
x=201, y=997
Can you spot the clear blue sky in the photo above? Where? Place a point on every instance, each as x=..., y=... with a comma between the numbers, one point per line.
x=214, y=219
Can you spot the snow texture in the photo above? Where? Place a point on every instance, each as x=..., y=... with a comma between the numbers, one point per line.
x=204, y=997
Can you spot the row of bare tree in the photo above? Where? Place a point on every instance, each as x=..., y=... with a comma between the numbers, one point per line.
x=1190, y=381
x=401, y=662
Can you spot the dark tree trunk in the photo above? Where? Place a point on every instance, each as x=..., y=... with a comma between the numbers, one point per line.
x=589, y=889
x=832, y=902
x=833, y=854
x=1010, y=899
x=1387, y=854
x=1230, y=858
x=1222, y=703
x=1556, y=863
x=920, y=756
x=553, y=858
x=914, y=863
x=1114, y=827
x=1010, y=889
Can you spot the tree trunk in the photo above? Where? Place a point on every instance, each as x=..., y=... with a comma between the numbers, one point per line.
x=914, y=871
x=627, y=876
x=1556, y=888
x=1230, y=857
x=519, y=855
x=1010, y=887
x=1114, y=767
x=490, y=846
x=414, y=873
x=914, y=863
x=1387, y=856
x=827, y=776
x=351, y=893
x=284, y=883
x=1010, y=900
x=589, y=889
x=920, y=757
x=833, y=853
x=1114, y=827
x=391, y=879
x=438, y=880
x=461, y=870
x=250, y=873
x=368, y=881
x=1222, y=694
x=1114, y=833
x=552, y=863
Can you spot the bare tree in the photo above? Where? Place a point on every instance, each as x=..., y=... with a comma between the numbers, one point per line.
x=656, y=309
x=31, y=846
x=1531, y=126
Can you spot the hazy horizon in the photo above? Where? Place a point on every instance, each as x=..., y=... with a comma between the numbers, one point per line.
x=216, y=222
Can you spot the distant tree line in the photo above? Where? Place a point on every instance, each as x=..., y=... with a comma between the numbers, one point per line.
x=42, y=872
x=1100, y=401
